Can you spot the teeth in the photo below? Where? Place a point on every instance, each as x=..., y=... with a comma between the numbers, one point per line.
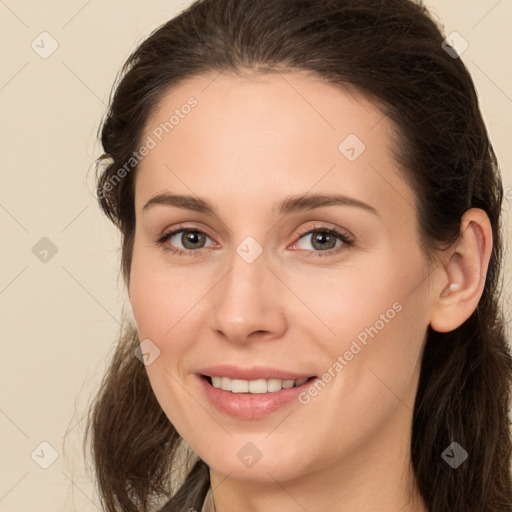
x=255, y=386
x=239, y=386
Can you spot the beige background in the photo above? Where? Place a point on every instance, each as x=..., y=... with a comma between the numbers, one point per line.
x=60, y=318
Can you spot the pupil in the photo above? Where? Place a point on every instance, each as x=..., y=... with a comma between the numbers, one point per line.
x=191, y=238
x=322, y=239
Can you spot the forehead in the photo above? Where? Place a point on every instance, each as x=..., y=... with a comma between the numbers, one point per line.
x=269, y=135
x=262, y=104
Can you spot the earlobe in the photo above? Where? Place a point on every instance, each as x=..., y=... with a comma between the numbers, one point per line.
x=462, y=279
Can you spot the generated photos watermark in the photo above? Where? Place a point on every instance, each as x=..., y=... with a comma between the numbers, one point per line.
x=343, y=360
x=150, y=143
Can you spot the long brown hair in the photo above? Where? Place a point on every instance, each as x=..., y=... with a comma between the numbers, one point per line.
x=393, y=52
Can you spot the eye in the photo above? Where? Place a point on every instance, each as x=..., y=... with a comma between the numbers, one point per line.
x=192, y=241
x=325, y=241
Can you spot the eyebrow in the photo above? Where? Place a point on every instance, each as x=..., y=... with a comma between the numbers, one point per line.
x=289, y=205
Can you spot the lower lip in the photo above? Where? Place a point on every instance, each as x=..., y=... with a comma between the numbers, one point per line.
x=251, y=406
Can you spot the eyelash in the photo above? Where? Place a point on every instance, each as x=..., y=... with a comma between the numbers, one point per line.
x=347, y=241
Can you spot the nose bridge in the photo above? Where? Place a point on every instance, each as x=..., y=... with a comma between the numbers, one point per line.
x=246, y=300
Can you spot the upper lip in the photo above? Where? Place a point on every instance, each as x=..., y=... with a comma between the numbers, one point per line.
x=251, y=373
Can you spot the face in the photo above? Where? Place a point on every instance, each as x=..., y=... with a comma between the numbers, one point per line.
x=255, y=283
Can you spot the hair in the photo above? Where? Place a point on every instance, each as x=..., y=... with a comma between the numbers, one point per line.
x=392, y=52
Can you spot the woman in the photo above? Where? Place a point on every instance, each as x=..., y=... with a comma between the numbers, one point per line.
x=310, y=214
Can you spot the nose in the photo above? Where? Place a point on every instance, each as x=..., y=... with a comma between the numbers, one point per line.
x=249, y=302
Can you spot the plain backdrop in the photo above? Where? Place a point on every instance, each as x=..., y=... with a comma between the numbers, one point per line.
x=60, y=295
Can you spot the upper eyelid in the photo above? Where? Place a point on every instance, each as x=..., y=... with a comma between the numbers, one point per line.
x=326, y=227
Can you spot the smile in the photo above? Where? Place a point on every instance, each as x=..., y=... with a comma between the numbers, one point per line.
x=258, y=386
x=255, y=398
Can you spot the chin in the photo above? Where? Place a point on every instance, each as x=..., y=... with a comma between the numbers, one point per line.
x=243, y=460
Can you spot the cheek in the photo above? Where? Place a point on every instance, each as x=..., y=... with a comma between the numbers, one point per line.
x=353, y=299
x=163, y=307
x=160, y=295
x=377, y=321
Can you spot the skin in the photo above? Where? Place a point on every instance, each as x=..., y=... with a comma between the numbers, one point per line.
x=251, y=142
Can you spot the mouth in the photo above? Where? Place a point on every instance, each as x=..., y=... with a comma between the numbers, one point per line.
x=256, y=387
x=253, y=392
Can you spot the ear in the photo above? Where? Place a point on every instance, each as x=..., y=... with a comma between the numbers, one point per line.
x=461, y=281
